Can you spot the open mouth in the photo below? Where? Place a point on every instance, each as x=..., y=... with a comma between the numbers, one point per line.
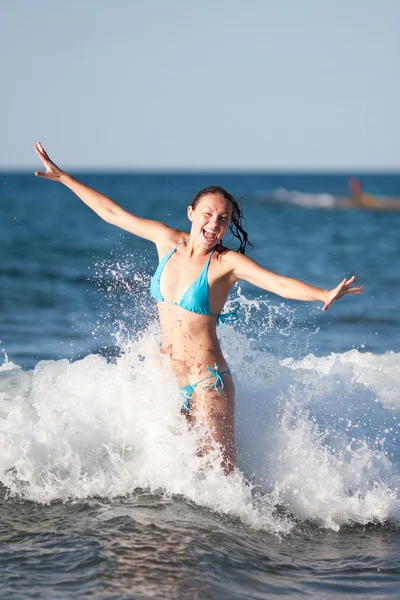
x=209, y=235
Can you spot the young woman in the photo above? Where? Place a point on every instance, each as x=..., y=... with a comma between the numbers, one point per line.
x=191, y=285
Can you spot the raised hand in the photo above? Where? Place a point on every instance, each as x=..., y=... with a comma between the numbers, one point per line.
x=341, y=290
x=52, y=171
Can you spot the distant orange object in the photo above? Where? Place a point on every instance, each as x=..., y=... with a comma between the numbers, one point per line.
x=355, y=186
x=360, y=199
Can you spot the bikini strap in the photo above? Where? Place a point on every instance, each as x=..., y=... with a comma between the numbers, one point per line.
x=211, y=253
x=174, y=249
x=218, y=379
x=228, y=317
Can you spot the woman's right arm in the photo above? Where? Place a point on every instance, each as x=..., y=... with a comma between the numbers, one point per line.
x=106, y=208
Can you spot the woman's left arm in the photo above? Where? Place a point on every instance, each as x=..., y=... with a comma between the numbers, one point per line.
x=248, y=270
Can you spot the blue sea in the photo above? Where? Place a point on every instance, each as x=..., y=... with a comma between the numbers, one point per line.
x=102, y=494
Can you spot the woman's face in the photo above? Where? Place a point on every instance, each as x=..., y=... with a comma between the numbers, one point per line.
x=210, y=219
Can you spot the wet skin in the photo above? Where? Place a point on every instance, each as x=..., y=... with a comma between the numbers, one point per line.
x=190, y=340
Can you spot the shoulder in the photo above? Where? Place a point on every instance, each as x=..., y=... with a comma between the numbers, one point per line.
x=232, y=257
x=223, y=254
x=239, y=266
x=230, y=260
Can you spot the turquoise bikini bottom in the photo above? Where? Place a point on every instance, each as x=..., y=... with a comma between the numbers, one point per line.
x=187, y=390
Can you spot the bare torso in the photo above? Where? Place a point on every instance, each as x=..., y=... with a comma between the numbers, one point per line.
x=189, y=339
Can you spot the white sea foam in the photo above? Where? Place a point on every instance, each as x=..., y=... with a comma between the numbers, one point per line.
x=317, y=436
x=307, y=200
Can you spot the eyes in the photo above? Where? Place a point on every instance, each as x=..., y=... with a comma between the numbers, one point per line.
x=221, y=218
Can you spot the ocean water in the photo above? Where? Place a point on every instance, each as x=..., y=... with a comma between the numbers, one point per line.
x=101, y=492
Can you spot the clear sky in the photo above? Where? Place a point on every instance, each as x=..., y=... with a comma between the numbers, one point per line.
x=198, y=84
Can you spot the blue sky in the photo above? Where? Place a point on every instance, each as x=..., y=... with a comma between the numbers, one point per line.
x=190, y=84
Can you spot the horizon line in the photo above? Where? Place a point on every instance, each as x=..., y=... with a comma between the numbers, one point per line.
x=209, y=170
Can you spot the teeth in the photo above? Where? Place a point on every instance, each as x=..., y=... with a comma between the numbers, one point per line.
x=209, y=230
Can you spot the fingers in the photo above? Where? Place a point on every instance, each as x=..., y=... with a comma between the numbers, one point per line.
x=43, y=150
x=40, y=154
x=342, y=290
x=347, y=282
x=355, y=289
x=341, y=286
x=52, y=171
x=40, y=151
x=328, y=304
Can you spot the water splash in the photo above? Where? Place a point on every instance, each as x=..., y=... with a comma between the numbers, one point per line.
x=318, y=437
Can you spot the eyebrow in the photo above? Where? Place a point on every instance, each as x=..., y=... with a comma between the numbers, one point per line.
x=226, y=213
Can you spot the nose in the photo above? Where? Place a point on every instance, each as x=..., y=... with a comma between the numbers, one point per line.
x=214, y=222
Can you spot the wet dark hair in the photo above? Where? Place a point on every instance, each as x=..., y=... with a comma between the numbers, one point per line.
x=237, y=220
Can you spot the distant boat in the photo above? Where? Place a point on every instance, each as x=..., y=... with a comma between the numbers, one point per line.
x=360, y=199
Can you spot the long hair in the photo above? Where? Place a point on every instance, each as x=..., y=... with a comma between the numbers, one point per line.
x=237, y=219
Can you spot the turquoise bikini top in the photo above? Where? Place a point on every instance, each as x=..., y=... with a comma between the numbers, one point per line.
x=195, y=299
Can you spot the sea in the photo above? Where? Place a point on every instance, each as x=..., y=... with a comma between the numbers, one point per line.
x=102, y=492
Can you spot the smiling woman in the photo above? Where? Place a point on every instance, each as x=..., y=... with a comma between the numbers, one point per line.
x=191, y=285
x=233, y=215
